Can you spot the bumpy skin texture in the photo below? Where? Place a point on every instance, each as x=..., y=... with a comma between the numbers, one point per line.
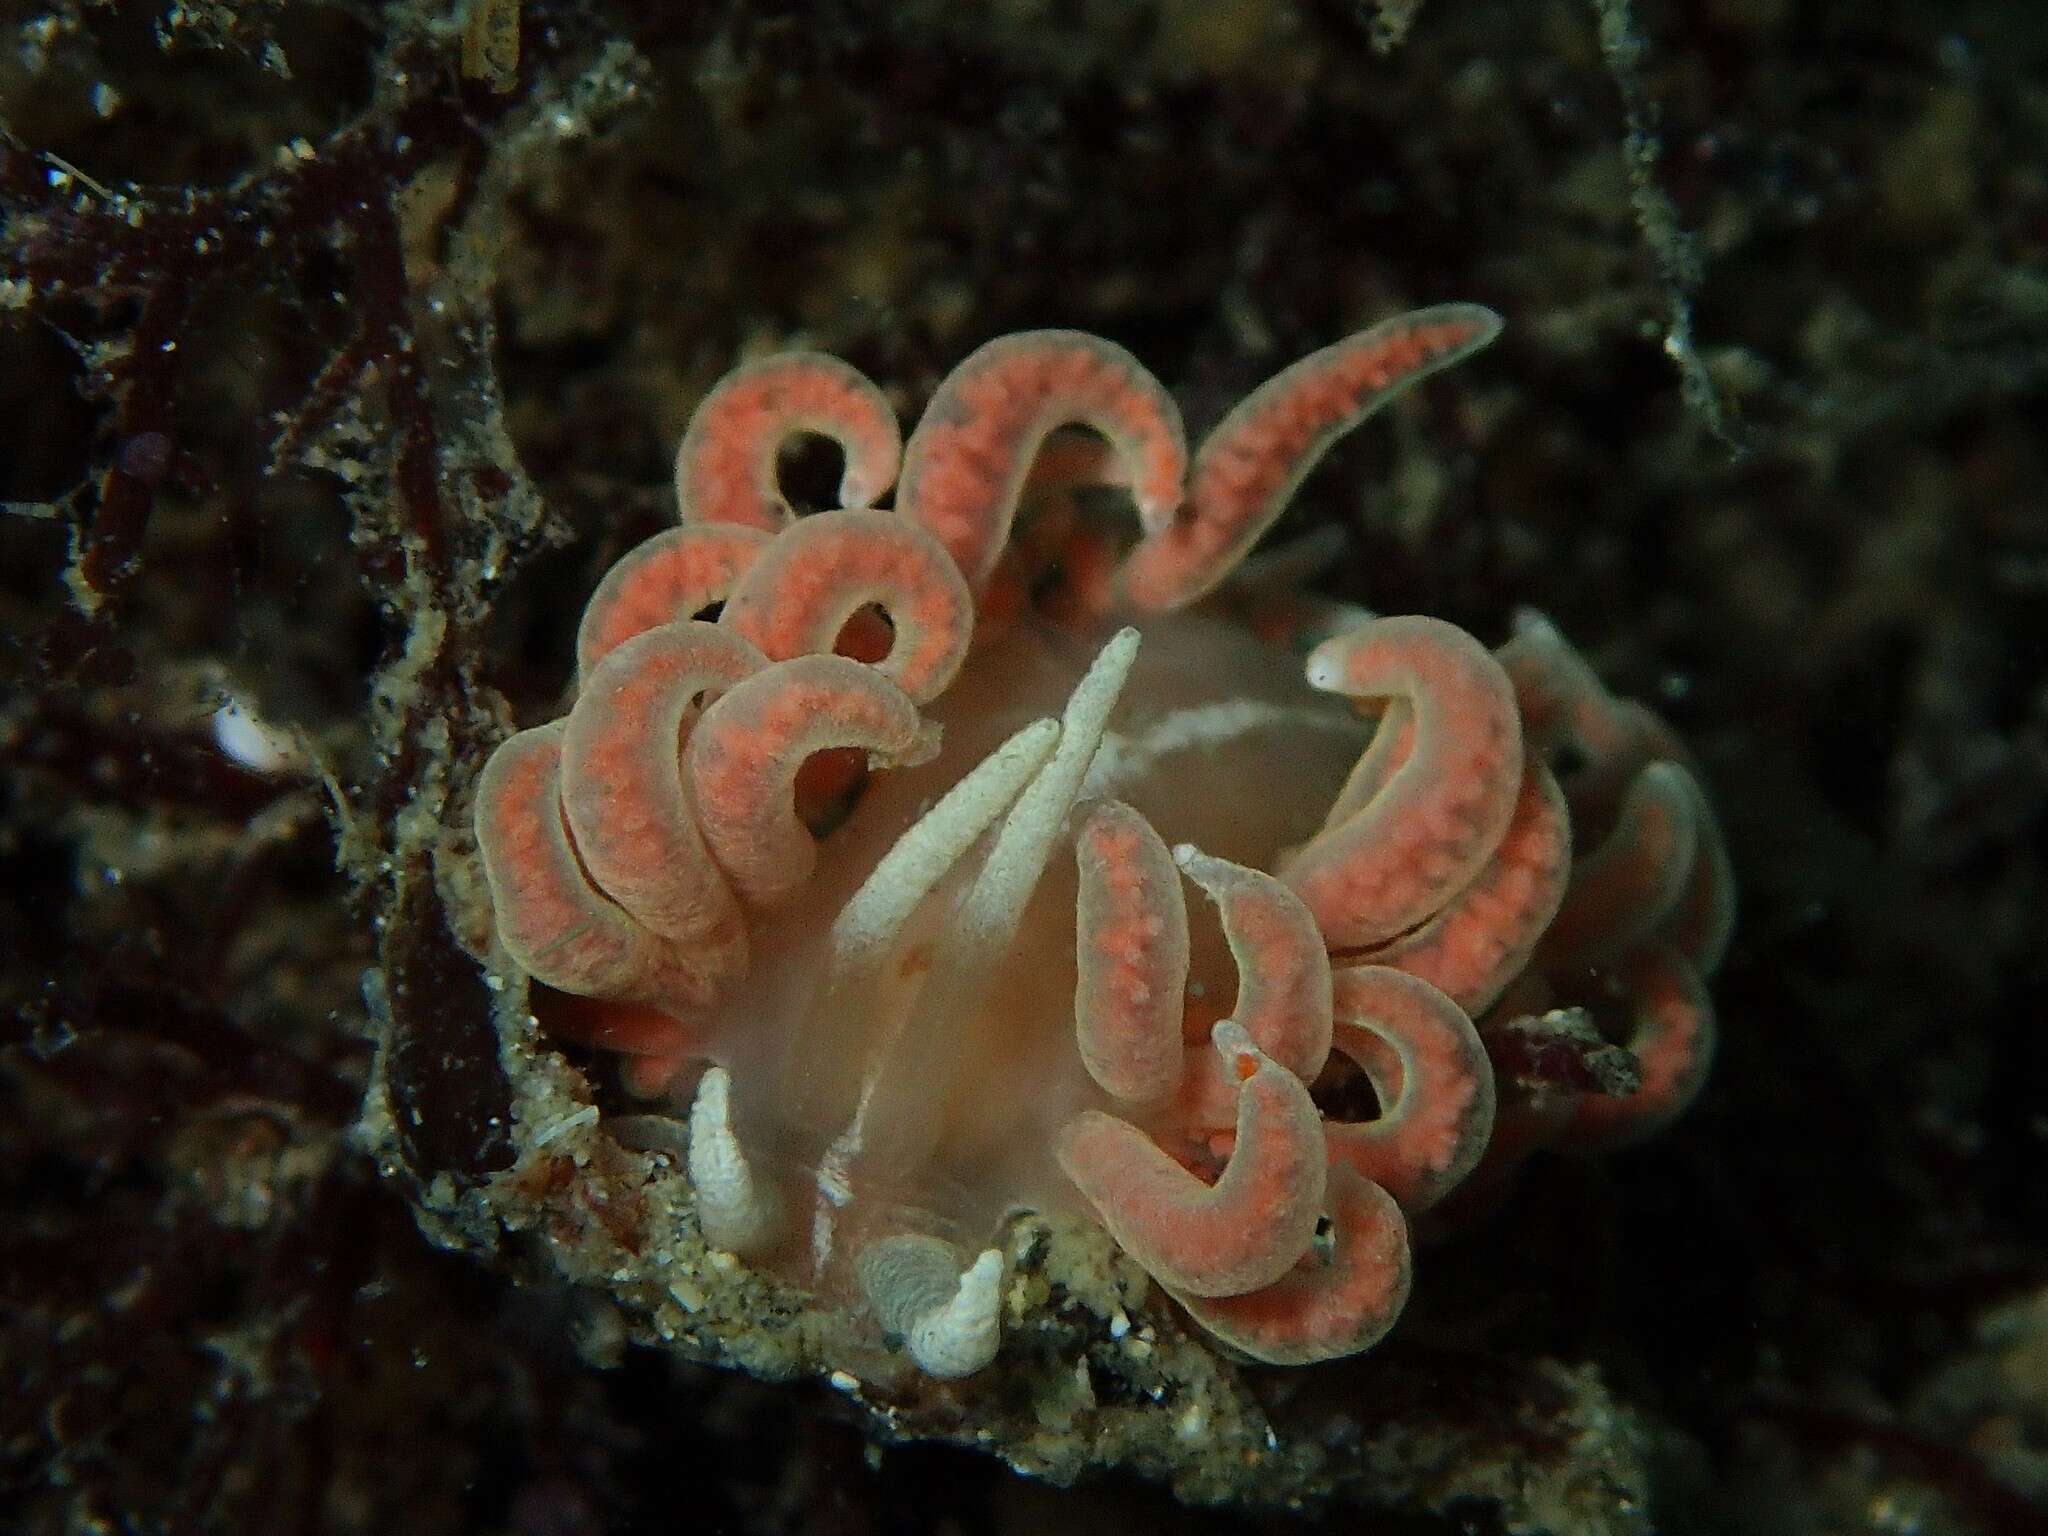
x=678, y=857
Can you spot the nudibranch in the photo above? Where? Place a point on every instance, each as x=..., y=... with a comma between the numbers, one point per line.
x=870, y=837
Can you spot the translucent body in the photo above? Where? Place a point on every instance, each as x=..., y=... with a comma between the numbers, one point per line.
x=1205, y=708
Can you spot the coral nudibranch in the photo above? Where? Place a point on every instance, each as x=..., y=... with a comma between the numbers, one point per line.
x=870, y=837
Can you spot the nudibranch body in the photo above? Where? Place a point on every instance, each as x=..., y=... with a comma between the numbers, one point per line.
x=949, y=859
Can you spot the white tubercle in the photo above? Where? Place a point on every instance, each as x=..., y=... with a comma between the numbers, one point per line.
x=1233, y=1042
x=949, y=1318
x=737, y=1211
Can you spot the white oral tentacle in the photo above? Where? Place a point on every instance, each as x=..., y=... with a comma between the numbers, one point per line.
x=960, y=1338
x=876, y=913
x=988, y=918
x=893, y=1122
x=874, y=917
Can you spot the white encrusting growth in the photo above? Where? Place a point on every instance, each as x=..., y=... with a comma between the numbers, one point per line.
x=736, y=1209
x=948, y=1317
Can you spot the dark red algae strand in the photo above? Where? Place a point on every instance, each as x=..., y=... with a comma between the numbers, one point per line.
x=166, y=253
x=453, y=1104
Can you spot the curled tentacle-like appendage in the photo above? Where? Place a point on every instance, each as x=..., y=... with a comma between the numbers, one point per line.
x=1337, y=1300
x=1652, y=864
x=1621, y=819
x=1241, y=1233
x=1648, y=911
x=1283, y=971
x=949, y=1315
x=1057, y=562
x=739, y=1210
x=798, y=596
x=623, y=791
x=965, y=466
x=1429, y=1071
x=1419, y=838
x=1131, y=942
x=550, y=918
x=653, y=1047
x=1249, y=467
x=677, y=574
x=1630, y=884
x=1475, y=946
x=726, y=466
x=1673, y=1039
x=1704, y=921
x=745, y=751
x=1565, y=707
